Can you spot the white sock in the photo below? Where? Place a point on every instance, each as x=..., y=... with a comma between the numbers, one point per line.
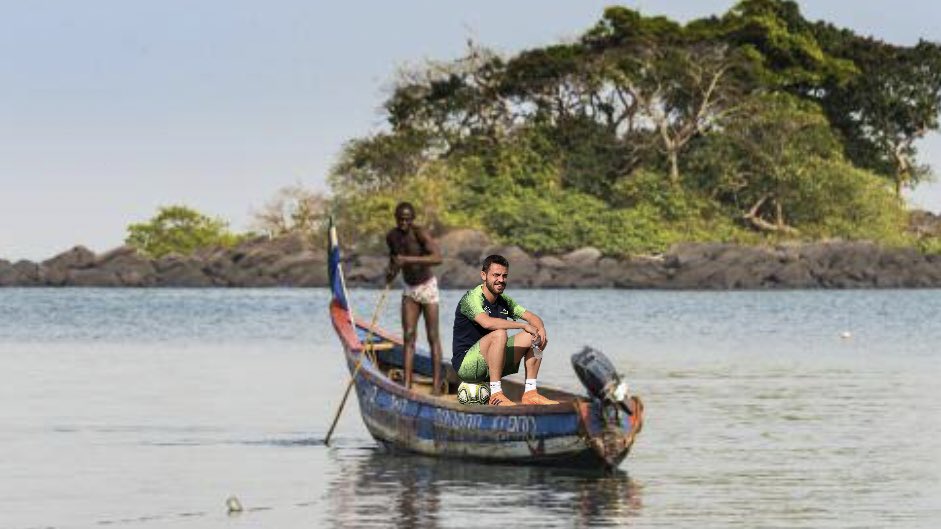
x=530, y=385
x=495, y=387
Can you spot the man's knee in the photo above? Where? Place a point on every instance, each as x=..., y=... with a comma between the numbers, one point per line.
x=409, y=335
x=498, y=335
x=523, y=339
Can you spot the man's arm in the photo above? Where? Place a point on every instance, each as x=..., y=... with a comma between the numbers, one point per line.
x=393, y=269
x=536, y=322
x=433, y=258
x=491, y=324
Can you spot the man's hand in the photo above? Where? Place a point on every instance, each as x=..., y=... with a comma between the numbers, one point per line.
x=542, y=337
x=537, y=339
x=391, y=272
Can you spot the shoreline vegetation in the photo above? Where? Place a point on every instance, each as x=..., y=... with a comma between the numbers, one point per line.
x=756, y=149
x=757, y=127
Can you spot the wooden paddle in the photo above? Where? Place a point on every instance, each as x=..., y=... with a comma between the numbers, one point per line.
x=367, y=348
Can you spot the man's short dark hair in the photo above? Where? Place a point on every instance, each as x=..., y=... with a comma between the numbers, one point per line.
x=403, y=207
x=499, y=259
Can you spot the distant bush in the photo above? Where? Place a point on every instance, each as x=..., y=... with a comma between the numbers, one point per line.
x=293, y=209
x=180, y=230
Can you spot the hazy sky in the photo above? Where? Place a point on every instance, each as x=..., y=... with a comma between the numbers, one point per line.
x=110, y=109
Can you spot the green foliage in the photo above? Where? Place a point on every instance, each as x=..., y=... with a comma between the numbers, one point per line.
x=780, y=167
x=435, y=190
x=929, y=245
x=180, y=230
x=378, y=162
x=864, y=209
x=645, y=132
x=893, y=102
x=362, y=220
x=761, y=163
x=686, y=214
x=782, y=45
x=591, y=154
x=565, y=221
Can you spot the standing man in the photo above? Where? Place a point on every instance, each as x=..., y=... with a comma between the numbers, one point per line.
x=482, y=349
x=413, y=252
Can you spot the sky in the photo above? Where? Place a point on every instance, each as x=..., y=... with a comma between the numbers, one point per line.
x=112, y=109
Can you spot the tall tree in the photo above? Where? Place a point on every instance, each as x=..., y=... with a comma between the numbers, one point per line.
x=764, y=162
x=885, y=109
x=679, y=80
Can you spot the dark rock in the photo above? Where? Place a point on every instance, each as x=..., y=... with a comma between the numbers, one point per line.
x=77, y=257
x=455, y=273
x=643, y=272
x=219, y=265
x=686, y=255
x=790, y=275
x=56, y=276
x=8, y=275
x=587, y=256
x=292, y=243
x=296, y=261
x=582, y=270
x=264, y=252
x=244, y=277
x=465, y=245
x=27, y=273
x=545, y=278
x=367, y=269
x=719, y=266
x=131, y=268
x=610, y=268
x=92, y=277
x=257, y=257
x=308, y=269
x=522, y=265
x=552, y=262
x=177, y=271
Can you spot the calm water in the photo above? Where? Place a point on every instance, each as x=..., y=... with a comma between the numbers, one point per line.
x=148, y=408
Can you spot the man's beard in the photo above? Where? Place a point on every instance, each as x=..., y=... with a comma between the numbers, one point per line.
x=492, y=287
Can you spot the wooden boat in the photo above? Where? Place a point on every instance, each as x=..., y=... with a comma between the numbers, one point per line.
x=582, y=431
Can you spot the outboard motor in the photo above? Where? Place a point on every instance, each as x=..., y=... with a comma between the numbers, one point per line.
x=599, y=377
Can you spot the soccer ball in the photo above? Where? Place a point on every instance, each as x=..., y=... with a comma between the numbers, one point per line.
x=469, y=393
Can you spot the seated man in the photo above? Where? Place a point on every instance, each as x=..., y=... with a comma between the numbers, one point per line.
x=482, y=349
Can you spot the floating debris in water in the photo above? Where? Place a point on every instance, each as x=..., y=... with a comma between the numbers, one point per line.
x=233, y=504
x=846, y=335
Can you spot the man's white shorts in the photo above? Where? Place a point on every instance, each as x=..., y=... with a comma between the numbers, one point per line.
x=423, y=293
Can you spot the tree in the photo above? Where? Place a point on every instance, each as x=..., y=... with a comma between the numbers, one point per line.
x=378, y=162
x=563, y=145
x=780, y=45
x=892, y=103
x=293, y=209
x=780, y=166
x=679, y=80
x=451, y=105
x=181, y=230
x=880, y=97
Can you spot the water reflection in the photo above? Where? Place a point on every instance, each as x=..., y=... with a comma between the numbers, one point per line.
x=376, y=489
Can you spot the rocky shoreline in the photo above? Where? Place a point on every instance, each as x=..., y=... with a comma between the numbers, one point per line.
x=295, y=262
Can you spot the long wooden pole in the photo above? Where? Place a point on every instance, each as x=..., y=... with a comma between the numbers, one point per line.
x=366, y=346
